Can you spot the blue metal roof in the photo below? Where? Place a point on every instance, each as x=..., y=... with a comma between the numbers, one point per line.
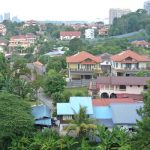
x=41, y=111
x=102, y=112
x=74, y=105
x=45, y=122
x=125, y=113
x=64, y=109
x=55, y=52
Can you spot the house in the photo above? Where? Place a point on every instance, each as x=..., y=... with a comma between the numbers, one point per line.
x=142, y=43
x=68, y=35
x=128, y=63
x=103, y=31
x=119, y=87
x=83, y=65
x=120, y=112
x=2, y=29
x=42, y=115
x=89, y=33
x=22, y=40
x=30, y=23
x=65, y=111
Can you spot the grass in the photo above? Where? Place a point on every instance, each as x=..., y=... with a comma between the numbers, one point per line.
x=77, y=91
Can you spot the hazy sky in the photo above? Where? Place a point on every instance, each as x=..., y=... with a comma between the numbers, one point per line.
x=65, y=9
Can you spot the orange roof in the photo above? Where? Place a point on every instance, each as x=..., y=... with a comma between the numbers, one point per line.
x=128, y=53
x=81, y=56
x=38, y=63
x=108, y=101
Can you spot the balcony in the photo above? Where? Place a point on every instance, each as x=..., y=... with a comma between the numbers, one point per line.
x=135, y=69
x=87, y=71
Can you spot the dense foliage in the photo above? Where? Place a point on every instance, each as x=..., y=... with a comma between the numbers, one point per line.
x=15, y=118
x=141, y=139
x=131, y=22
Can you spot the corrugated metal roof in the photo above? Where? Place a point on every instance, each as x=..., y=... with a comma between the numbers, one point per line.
x=64, y=109
x=102, y=112
x=45, y=122
x=41, y=111
x=125, y=113
x=74, y=105
x=105, y=122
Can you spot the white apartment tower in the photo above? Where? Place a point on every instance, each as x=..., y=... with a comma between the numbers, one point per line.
x=117, y=13
x=147, y=6
x=89, y=33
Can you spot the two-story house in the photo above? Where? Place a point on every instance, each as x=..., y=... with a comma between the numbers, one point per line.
x=68, y=35
x=22, y=40
x=119, y=87
x=128, y=63
x=83, y=65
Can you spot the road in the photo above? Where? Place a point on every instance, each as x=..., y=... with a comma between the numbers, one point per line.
x=44, y=99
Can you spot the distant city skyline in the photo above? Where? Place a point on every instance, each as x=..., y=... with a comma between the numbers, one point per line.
x=66, y=10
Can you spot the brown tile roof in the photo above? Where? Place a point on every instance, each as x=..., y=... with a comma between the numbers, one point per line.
x=121, y=80
x=37, y=63
x=81, y=56
x=70, y=33
x=108, y=101
x=18, y=37
x=138, y=43
x=128, y=53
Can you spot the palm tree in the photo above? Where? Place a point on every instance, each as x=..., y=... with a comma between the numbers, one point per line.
x=81, y=125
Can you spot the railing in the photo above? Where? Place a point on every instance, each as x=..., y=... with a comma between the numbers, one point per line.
x=85, y=69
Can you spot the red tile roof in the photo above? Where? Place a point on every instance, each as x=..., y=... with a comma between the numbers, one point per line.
x=108, y=101
x=128, y=53
x=70, y=33
x=81, y=56
x=122, y=80
x=18, y=37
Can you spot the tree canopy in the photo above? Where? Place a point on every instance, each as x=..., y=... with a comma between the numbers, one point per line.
x=15, y=118
x=129, y=23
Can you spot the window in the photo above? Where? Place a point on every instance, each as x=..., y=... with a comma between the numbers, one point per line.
x=122, y=87
x=67, y=117
x=116, y=65
x=145, y=87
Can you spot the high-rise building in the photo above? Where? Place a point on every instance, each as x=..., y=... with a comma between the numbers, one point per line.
x=117, y=13
x=1, y=18
x=6, y=16
x=147, y=6
x=15, y=19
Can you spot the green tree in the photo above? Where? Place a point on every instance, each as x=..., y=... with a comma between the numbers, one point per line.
x=15, y=118
x=141, y=139
x=54, y=83
x=81, y=124
x=56, y=63
x=75, y=45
